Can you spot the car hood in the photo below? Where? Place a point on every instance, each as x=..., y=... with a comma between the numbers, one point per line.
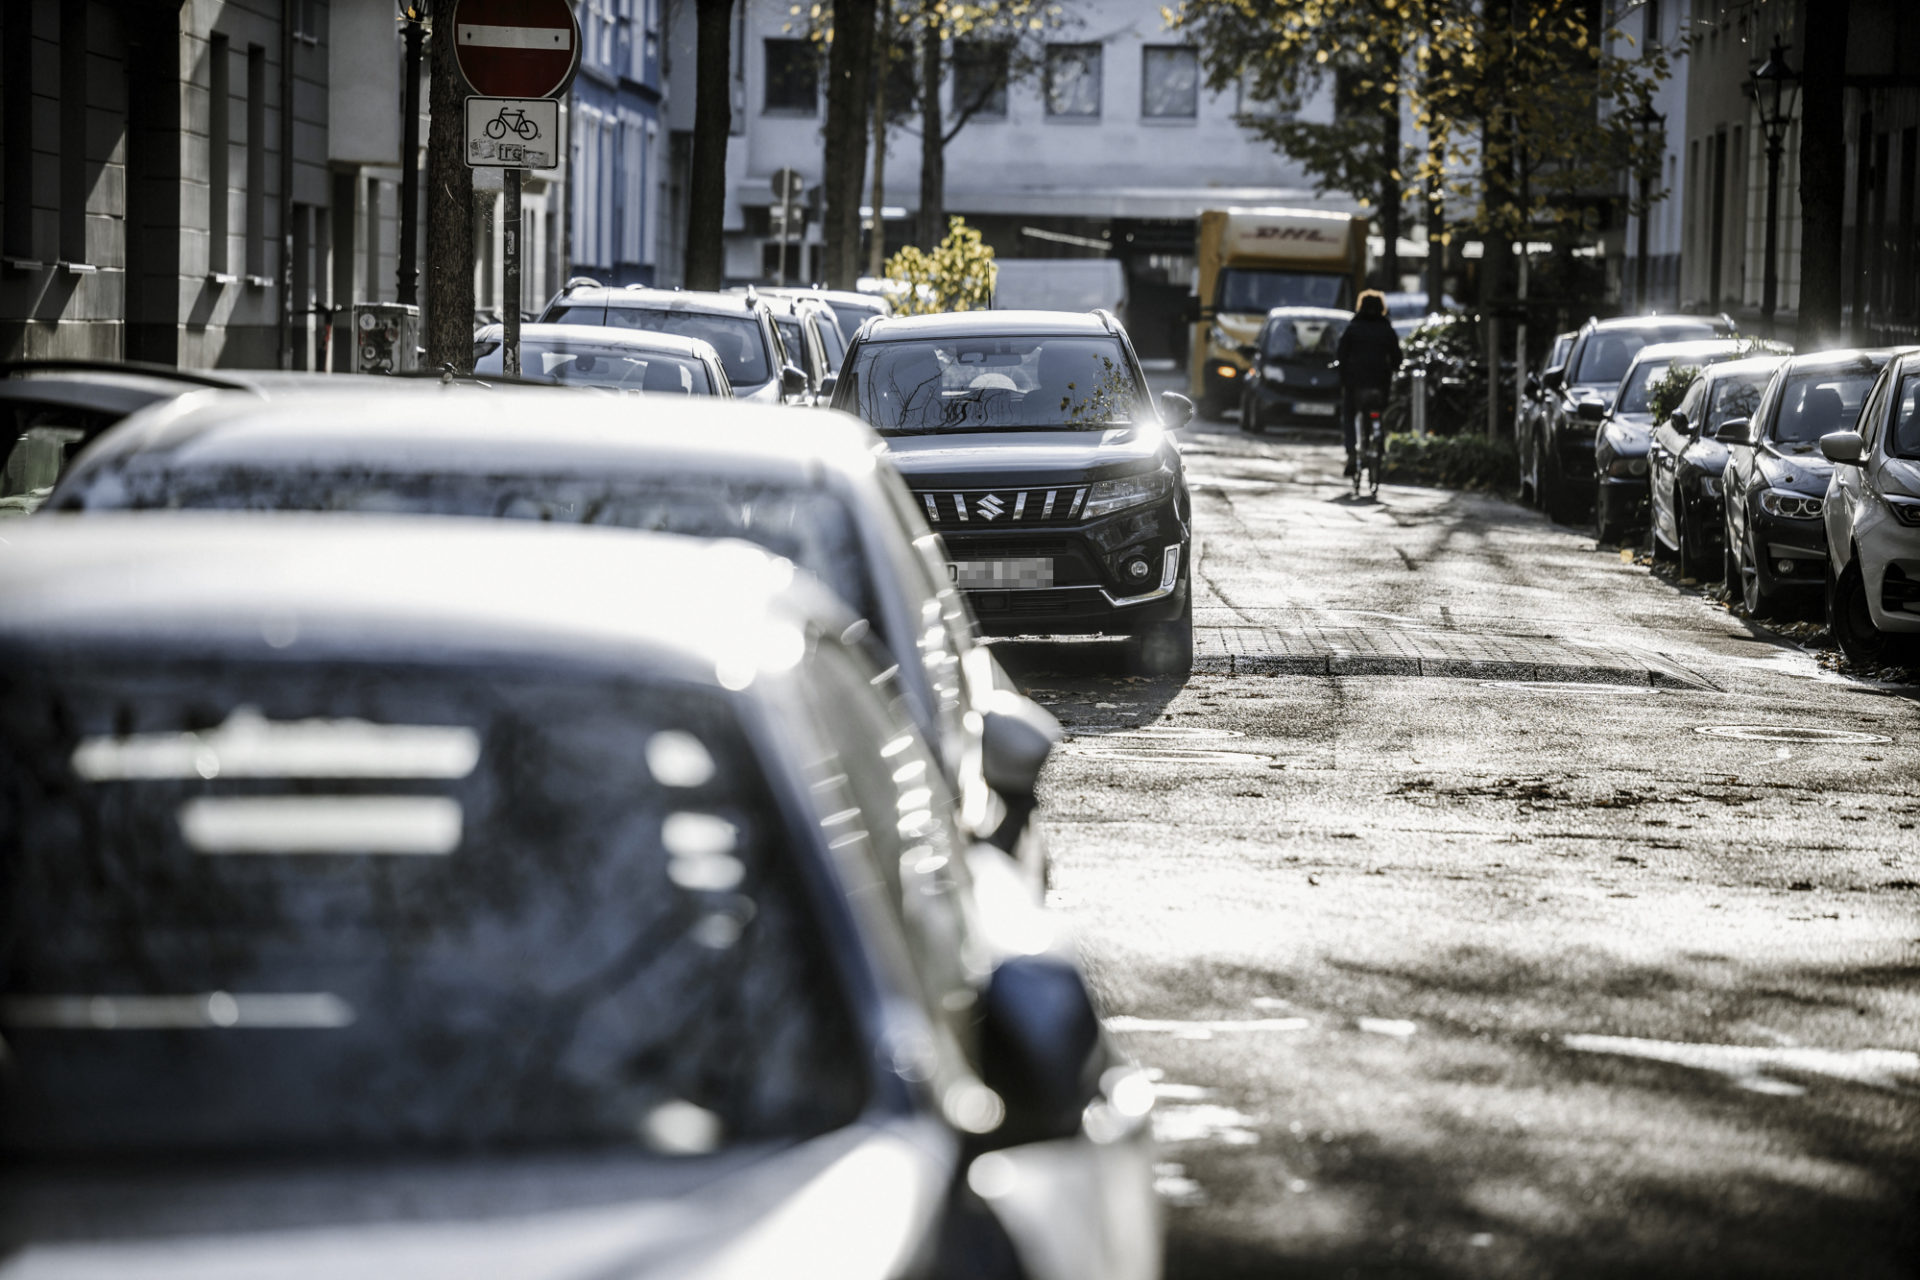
x=873, y=1192
x=1901, y=476
x=1706, y=456
x=1801, y=468
x=1626, y=437
x=1031, y=457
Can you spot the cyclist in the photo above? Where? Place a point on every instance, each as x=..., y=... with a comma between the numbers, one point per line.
x=1368, y=353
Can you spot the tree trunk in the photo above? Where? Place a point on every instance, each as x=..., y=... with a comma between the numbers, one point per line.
x=883, y=50
x=712, y=122
x=849, y=64
x=1823, y=171
x=1390, y=193
x=933, y=147
x=1502, y=212
x=449, y=318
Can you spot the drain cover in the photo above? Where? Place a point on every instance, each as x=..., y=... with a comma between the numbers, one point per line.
x=1788, y=733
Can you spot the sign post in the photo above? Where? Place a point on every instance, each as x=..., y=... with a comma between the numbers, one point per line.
x=519, y=56
x=787, y=186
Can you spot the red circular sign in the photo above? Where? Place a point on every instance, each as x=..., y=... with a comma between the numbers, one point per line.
x=516, y=48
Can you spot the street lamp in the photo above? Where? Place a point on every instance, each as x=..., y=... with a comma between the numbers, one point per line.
x=1774, y=87
x=1649, y=124
x=413, y=18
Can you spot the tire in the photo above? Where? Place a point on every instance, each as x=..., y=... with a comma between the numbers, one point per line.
x=1164, y=648
x=1685, y=552
x=1250, y=415
x=1525, y=481
x=1761, y=603
x=1657, y=550
x=1556, y=497
x=1850, y=621
x=1604, y=530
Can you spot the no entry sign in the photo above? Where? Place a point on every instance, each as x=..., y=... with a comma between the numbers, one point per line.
x=516, y=48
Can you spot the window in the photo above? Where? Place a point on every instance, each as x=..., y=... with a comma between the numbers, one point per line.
x=793, y=77
x=256, y=161
x=219, y=147
x=980, y=74
x=73, y=133
x=1169, y=82
x=16, y=49
x=1073, y=81
x=1650, y=38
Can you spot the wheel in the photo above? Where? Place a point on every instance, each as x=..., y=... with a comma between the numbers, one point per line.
x=1850, y=621
x=1604, y=529
x=1164, y=648
x=1760, y=602
x=496, y=128
x=1656, y=550
x=1250, y=414
x=1686, y=545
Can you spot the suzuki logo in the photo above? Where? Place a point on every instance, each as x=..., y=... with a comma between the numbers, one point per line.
x=989, y=507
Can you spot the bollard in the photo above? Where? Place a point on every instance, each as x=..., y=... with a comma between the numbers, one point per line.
x=1418, y=397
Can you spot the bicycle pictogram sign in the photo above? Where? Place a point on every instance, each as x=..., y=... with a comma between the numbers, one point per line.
x=514, y=119
x=513, y=133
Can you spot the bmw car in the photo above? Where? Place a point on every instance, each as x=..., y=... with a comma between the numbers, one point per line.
x=1686, y=460
x=1032, y=444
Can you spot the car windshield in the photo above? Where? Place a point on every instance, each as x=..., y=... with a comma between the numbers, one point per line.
x=790, y=336
x=259, y=907
x=599, y=364
x=1311, y=339
x=1608, y=352
x=738, y=339
x=1905, y=440
x=1634, y=398
x=1819, y=402
x=1244, y=289
x=999, y=383
x=1735, y=396
x=806, y=525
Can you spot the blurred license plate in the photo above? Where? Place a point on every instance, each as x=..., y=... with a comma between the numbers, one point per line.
x=1002, y=575
x=1312, y=410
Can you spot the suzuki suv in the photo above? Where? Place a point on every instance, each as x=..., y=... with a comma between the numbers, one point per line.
x=1031, y=442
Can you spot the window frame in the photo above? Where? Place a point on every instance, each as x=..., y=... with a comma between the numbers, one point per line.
x=768, y=79
x=974, y=49
x=1064, y=50
x=1147, y=53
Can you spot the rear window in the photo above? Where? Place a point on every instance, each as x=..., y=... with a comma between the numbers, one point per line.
x=1608, y=352
x=738, y=338
x=272, y=907
x=599, y=364
x=808, y=526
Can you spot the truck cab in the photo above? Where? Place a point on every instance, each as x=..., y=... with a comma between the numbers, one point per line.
x=1253, y=260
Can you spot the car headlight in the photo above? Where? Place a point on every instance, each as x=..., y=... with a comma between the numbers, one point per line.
x=1108, y=496
x=1905, y=510
x=1709, y=486
x=1791, y=505
x=1627, y=467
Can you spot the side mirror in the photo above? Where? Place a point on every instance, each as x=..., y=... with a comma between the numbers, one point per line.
x=1248, y=350
x=1176, y=411
x=1039, y=1047
x=1844, y=447
x=1590, y=410
x=827, y=384
x=1533, y=384
x=793, y=380
x=1554, y=378
x=1679, y=419
x=1016, y=736
x=1734, y=431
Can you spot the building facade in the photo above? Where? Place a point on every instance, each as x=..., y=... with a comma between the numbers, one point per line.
x=1657, y=25
x=618, y=147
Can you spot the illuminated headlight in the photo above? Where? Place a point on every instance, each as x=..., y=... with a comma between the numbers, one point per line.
x=1109, y=496
x=1227, y=371
x=1273, y=373
x=1792, y=506
x=1709, y=486
x=1627, y=467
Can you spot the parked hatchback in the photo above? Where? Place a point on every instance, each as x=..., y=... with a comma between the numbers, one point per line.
x=1292, y=375
x=1872, y=516
x=391, y=898
x=739, y=327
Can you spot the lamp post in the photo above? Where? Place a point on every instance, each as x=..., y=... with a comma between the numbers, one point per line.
x=1775, y=87
x=1649, y=124
x=413, y=18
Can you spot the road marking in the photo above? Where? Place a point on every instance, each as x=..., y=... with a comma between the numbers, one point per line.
x=1788, y=733
x=1204, y=1030
x=1748, y=1065
x=1398, y=1027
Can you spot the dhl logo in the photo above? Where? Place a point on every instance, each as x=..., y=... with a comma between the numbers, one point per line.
x=1314, y=234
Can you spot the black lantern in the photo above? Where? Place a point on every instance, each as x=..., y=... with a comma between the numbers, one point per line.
x=1649, y=125
x=1775, y=89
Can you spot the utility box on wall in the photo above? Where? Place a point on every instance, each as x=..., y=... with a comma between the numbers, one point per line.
x=386, y=337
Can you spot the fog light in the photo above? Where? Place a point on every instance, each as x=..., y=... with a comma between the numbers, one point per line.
x=1227, y=371
x=1138, y=568
x=1783, y=567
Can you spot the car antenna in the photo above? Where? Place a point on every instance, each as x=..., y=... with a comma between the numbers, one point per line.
x=752, y=297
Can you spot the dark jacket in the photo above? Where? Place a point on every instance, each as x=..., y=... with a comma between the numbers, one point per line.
x=1369, y=352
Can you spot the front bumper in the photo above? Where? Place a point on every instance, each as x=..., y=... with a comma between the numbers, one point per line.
x=1788, y=553
x=1889, y=554
x=1573, y=453
x=1306, y=405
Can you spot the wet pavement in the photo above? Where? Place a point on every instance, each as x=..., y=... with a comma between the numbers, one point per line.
x=1486, y=905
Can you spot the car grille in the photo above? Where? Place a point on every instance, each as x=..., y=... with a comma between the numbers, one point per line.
x=1001, y=508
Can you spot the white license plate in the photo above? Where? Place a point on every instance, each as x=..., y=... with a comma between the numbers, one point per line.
x=1001, y=575
x=1313, y=409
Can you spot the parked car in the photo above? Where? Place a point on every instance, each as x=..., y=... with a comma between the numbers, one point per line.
x=1620, y=464
x=1292, y=375
x=1533, y=408
x=803, y=324
x=392, y=897
x=1556, y=457
x=1032, y=443
x=739, y=327
x=1686, y=460
x=833, y=338
x=854, y=309
x=582, y=355
x=1872, y=520
x=1775, y=483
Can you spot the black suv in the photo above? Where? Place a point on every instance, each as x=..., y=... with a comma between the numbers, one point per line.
x=738, y=326
x=1033, y=445
x=1556, y=454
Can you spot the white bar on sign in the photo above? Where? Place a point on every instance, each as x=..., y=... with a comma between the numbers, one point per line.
x=516, y=37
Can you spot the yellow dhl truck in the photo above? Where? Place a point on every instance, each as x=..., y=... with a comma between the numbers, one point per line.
x=1253, y=260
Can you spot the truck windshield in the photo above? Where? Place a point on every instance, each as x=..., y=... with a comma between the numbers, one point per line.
x=1041, y=383
x=260, y=907
x=1248, y=289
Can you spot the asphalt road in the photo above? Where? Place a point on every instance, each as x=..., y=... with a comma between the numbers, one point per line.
x=1487, y=906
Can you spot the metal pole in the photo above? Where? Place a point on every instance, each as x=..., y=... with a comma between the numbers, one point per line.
x=1519, y=347
x=786, y=229
x=510, y=279
x=1640, y=264
x=1770, y=288
x=409, y=273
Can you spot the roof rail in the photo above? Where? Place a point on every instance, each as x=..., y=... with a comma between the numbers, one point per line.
x=1108, y=320
x=580, y=282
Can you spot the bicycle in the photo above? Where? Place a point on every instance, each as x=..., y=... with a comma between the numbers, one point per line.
x=515, y=120
x=1371, y=452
